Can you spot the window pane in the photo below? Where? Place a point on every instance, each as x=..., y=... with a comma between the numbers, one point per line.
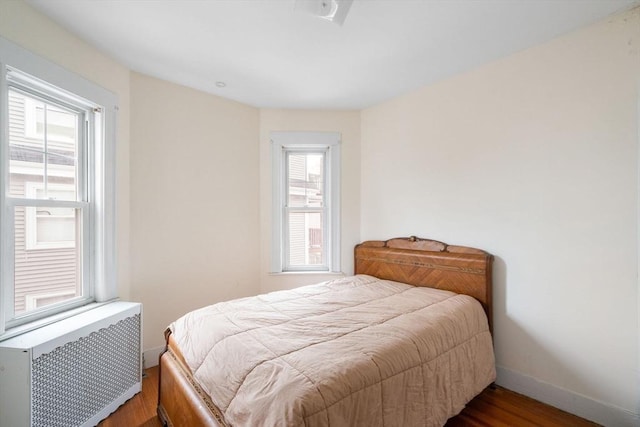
x=43, y=142
x=47, y=256
x=305, y=179
x=305, y=239
x=26, y=152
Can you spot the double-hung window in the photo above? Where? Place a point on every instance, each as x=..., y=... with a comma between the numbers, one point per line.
x=306, y=196
x=56, y=190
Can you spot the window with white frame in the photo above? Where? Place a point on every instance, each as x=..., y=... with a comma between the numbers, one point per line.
x=56, y=192
x=306, y=201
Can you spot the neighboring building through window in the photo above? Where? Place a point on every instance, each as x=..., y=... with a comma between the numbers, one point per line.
x=49, y=228
x=306, y=200
x=56, y=197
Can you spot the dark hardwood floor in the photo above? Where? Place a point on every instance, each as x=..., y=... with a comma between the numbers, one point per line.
x=140, y=410
x=493, y=408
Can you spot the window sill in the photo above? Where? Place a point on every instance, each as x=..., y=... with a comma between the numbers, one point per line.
x=28, y=327
x=307, y=273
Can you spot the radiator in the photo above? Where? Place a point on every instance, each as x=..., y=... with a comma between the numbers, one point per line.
x=74, y=372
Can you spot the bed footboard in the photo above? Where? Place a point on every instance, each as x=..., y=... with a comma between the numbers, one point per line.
x=180, y=402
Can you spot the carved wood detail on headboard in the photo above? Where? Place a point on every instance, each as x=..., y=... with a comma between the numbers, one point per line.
x=429, y=263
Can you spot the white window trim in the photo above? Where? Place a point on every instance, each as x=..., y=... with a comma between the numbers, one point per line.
x=281, y=141
x=103, y=271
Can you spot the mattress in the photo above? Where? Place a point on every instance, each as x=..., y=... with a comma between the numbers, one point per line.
x=348, y=352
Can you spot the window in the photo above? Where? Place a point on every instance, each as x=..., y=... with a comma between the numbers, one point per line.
x=306, y=196
x=56, y=192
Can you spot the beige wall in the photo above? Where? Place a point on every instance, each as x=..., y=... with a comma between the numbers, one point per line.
x=348, y=124
x=194, y=201
x=23, y=25
x=535, y=159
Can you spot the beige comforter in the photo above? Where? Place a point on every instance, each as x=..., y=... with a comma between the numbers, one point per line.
x=357, y=351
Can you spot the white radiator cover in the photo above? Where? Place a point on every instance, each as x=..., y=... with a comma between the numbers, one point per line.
x=74, y=372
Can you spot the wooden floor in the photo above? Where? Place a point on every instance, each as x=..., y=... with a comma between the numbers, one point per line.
x=493, y=408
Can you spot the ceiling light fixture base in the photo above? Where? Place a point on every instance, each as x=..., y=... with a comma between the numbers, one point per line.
x=332, y=10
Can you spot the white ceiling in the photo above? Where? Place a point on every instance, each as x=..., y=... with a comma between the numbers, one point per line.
x=270, y=56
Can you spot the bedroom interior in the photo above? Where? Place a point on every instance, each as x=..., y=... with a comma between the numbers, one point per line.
x=531, y=156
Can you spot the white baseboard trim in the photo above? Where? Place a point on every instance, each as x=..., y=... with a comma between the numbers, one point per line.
x=583, y=406
x=151, y=356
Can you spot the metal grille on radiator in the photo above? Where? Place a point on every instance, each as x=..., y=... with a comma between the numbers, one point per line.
x=75, y=381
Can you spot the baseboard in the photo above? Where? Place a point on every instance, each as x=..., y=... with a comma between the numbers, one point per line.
x=583, y=406
x=151, y=356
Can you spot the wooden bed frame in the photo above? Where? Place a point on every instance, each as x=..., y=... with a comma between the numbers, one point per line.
x=418, y=262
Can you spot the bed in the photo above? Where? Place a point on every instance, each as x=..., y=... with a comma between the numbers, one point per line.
x=405, y=341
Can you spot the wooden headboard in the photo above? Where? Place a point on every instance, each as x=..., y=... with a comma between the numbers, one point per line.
x=429, y=263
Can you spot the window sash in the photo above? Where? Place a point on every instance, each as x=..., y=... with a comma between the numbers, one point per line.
x=85, y=138
x=12, y=320
x=288, y=153
x=287, y=264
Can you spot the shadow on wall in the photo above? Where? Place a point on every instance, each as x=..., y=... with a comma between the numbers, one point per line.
x=537, y=357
